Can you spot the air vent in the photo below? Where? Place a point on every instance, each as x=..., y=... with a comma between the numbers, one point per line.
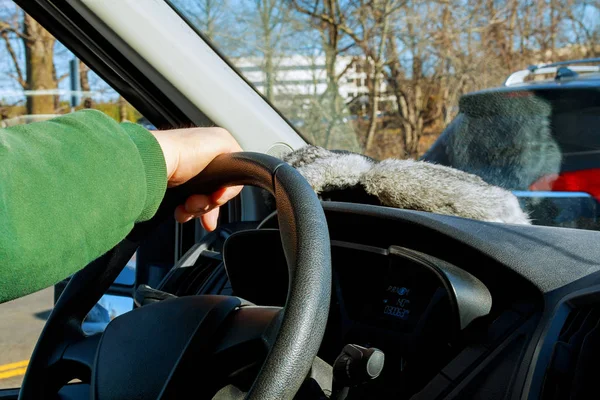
x=187, y=280
x=572, y=372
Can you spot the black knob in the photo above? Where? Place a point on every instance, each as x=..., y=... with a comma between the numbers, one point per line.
x=357, y=365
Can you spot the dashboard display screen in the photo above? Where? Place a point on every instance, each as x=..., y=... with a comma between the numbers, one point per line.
x=406, y=292
x=387, y=291
x=397, y=302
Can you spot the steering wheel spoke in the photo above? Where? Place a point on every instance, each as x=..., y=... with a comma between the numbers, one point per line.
x=78, y=357
x=247, y=339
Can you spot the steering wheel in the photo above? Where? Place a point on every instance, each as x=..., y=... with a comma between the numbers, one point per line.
x=197, y=344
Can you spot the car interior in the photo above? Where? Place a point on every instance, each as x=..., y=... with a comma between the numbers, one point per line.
x=317, y=299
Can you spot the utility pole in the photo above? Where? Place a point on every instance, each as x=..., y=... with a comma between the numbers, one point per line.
x=75, y=83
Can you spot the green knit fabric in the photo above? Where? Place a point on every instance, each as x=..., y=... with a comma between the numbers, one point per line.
x=70, y=189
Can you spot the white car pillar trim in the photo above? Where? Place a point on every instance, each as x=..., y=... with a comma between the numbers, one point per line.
x=165, y=41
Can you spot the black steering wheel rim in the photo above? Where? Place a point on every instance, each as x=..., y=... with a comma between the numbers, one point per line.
x=306, y=244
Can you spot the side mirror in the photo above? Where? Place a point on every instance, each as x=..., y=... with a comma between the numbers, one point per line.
x=117, y=300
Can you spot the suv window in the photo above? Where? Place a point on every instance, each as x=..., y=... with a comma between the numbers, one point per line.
x=541, y=143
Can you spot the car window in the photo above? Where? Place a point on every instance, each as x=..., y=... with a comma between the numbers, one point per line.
x=386, y=78
x=40, y=79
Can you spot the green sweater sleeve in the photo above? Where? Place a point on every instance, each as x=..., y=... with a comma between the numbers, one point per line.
x=70, y=189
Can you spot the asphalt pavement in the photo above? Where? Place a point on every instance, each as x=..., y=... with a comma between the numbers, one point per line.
x=21, y=322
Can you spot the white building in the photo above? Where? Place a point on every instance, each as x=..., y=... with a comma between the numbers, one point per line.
x=299, y=75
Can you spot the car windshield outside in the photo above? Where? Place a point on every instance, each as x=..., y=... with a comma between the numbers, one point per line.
x=451, y=82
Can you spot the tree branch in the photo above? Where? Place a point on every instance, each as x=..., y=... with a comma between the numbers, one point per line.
x=346, y=68
x=62, y=77
x=345, y=49
x=328, y=20
x=6, y=27
x=13, y=55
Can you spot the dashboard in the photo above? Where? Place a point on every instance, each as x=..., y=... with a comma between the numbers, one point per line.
x=405, y=303
x=460, y=308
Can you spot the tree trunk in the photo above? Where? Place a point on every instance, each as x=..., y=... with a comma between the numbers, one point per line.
x=413, y=122
x=374, y=100
x=85, y=84
x=122, y=105
x=39, y=61
x=511, y=35
x=209, y=30
x=442, y=104
x=377, y=73
x=553, y=29
x=266, y=15
x=331, y=91
x=269, y=74
x=331, y=52
x=328, y=25
x=409, y=97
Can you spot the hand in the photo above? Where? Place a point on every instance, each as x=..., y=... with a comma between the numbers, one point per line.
x=187, y=152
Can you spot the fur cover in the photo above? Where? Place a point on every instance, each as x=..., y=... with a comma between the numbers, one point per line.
x=408, y=184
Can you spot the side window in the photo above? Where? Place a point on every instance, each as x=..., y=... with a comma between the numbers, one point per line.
x=41, y=79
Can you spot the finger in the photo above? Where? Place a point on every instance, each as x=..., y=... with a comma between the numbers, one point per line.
x=199, y=204
x=210, y=219
x=223, y=195
x=181, y=215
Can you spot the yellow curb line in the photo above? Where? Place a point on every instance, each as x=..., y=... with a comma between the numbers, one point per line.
x=13, y=372
x=13, y=369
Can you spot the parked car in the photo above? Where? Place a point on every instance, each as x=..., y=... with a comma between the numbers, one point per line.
x=537, y=137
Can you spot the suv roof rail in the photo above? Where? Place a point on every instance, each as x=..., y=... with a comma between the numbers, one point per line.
x=559, y=69
x=573, y=62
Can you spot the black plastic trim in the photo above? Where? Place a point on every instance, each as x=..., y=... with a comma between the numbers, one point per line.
x=9, y=394
x=549, y=329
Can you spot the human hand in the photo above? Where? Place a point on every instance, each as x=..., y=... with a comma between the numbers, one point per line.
x=187, y=152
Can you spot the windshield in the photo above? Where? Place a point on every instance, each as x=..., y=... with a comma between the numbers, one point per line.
x=442, y=81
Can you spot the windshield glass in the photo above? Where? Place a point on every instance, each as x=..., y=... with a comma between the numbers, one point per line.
x=448, y=82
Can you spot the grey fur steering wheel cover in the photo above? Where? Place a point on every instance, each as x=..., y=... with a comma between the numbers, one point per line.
x=408, y=184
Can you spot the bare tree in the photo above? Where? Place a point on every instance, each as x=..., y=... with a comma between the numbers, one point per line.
x=328, y=19
x=273, y=25
x=423, y=54
x=206, y=15
x=587, y=34
x=366, y=25
x=39, y=73
x=381, y=12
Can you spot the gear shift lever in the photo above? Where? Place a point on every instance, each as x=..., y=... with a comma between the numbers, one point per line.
x=354, y=366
